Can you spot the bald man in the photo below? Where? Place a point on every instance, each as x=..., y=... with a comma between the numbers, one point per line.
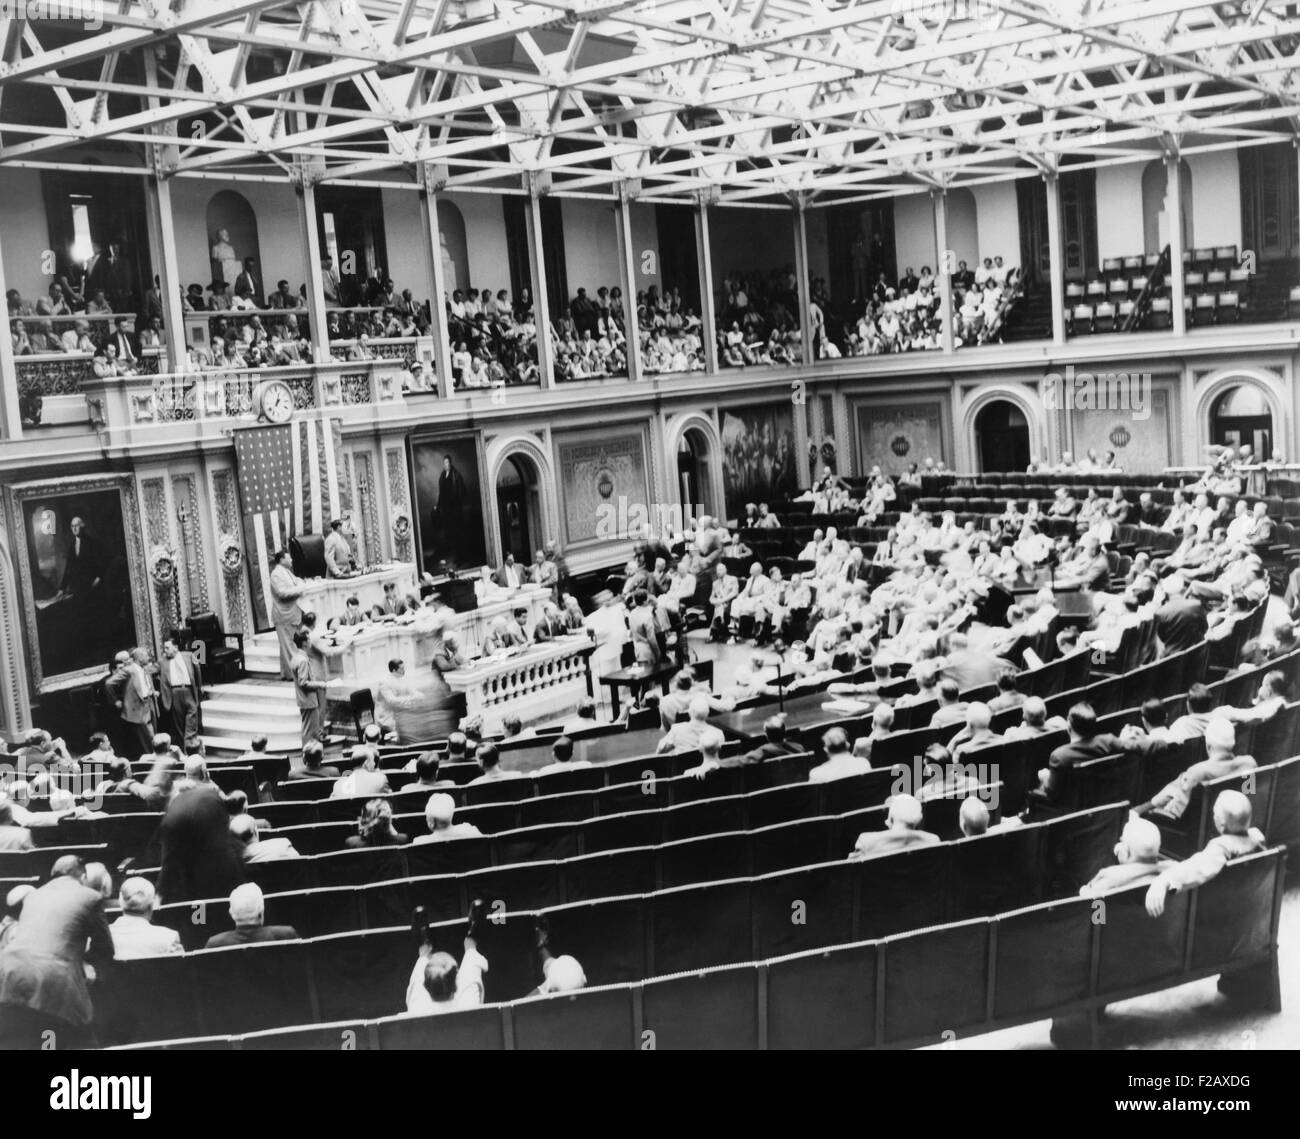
x=438, y=814
x=248, y=912
x=902, y=831
x=134, y=934
x=1137, y=860
x=1236, y=839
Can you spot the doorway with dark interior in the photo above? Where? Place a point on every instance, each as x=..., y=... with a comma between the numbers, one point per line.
x=1001, y=437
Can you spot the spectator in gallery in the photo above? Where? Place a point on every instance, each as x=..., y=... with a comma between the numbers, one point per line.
x=375, y=827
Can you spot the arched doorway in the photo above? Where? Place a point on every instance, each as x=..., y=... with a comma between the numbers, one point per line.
x=1242, y=415
x=963, y=229
x=519, y=507
x=694, y=486
x=1001, y=437
x=455, y=248
x=232, y=236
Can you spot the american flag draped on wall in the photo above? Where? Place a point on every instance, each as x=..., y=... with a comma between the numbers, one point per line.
x=290, y=483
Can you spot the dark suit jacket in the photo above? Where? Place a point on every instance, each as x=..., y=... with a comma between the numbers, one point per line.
x=760, y=754
x=1067, y=755
x=250, y=934
x=1180, y=624
x=200, y=859
x=325, y=771
x=82, y=571
x=41, y=965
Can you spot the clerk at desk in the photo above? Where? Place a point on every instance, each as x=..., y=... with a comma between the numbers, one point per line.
x=338, y=554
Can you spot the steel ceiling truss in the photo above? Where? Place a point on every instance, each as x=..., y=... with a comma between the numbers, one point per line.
x=746, y=101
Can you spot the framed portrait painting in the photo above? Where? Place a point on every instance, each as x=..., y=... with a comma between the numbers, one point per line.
x=81, y=566
x=446, y=472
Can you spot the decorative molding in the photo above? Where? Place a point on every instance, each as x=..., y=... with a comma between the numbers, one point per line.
x=229, y=522
x=153, y=494
x=14, y=710
x=193, y=532
x=367, y=497
x=399, y=501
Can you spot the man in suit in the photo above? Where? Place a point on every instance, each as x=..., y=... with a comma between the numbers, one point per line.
x=644, y=626
x=509, y=576
x=1085, y=743
x=338, y=554
x=1137, y=857
x=124, y=342
x=134, y=934
x=308, y=690
x=84, y=571
x=551, y=624
x=840, y=763
x=286, y=615
x=248, y=279
x=393, y=603
x=971, y=668
x=139, y=703
x=775, y=745
x=1180, y=621
x=902, y=831
x=181, y=691
x=314, y=765
x=43, y=964
x=248, y=912
x=200, y=859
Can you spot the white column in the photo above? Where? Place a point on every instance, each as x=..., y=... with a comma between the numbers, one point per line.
x=310, y=235
x=708, y=313
x=11, y=420
x=943, y=268
x=1174, y=206
x=162, y=239
x=627, y=279
x=1056, y=254
x=541, y=301
x=435, y=280
x=803, y=280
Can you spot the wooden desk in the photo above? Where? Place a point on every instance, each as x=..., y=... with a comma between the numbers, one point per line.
x=637, y=680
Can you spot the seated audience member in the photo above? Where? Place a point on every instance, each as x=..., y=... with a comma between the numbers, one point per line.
x=973, y=817
x=438, y=984
x=244, y=828
x=584, y=718
x=952, y=709
x=438, y=814
x=375, y=827
x=562, y=758
x=1220, y=741
x=134, y=934
x=363, y=781
x=686, y=735
x=1085, y=743
x=13, y=910
x=775, y=744
x=12, y=836
x=1192, y=724
x=902, y=831
x=840, y=763
x=977, y=733
x=489, y=759
x=427, y=766
x=248, y=912
x=1137, y=858
x=314, y=765
x=882, y=727
x=256, y=749
x=1034, y=721
x=1009, y=694
x=562, y=974
x=1235, y=839
x=710, y=745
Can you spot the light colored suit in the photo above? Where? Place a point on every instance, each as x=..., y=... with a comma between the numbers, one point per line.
x=135, y=937
x=286, y=615
x=310, y=695
x=338, y=555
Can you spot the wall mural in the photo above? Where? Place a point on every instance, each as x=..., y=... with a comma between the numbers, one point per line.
x=598, y=470
x=449, y=510
x=894, y=436
x=759, y=456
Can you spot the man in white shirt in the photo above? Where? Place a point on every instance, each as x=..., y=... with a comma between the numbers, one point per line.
x=439, y=985
x=686, y=736
x=562, y=753
x=244, y=829
x=134, y=934
x=840, y=763
x=509, y=576
x=439, y=812
x=489, y=759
